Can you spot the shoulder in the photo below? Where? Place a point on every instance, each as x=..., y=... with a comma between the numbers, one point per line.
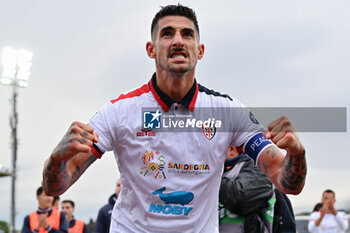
x=208, y=98
x=341, y=213
x=129, y=95
x=202, y=89
x=26, y=219
x=58, y=212
x=127, y=101
x=106, y=208
x=314, y=215
x=78, y=221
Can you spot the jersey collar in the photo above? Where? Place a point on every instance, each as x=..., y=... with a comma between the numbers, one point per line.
x=189, y=101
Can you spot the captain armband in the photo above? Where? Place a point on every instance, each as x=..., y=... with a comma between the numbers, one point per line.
x=255, y=145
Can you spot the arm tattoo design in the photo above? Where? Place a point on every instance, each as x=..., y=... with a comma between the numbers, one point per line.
x=80, y=170
x=294, y=171
x=271, y=150
x=55, y=178
x=264, y=169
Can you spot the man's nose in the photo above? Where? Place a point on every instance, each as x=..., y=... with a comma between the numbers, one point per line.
x=178, y=42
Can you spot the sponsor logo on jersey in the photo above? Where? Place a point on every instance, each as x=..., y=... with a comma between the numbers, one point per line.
x=195, y=167
x=178, y=198
x=209, y=132
x=154, y=164
x=189, y=169
x=146, y=133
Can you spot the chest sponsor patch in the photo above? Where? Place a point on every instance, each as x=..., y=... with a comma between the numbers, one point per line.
x=174, y=202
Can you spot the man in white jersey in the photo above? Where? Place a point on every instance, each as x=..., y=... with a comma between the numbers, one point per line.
x=328, y=219
x=171, y=178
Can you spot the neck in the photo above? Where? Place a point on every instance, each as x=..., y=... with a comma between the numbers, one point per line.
x=43, y=209
x=69, y=218
x=175, y=85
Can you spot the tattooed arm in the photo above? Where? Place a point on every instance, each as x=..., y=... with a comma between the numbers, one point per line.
x=69, y=159
x=288, y=171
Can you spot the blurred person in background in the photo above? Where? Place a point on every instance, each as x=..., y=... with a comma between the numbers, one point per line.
x=328, y=219
x=56, y=202
x=45, y=219
x=104, y=215
x=246, y=199
x=74, y=225
x=317, y=207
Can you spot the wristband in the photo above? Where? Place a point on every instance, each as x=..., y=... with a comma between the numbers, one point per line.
x=96, y=151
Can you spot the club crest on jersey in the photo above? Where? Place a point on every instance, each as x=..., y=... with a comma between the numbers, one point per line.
x=209, y=132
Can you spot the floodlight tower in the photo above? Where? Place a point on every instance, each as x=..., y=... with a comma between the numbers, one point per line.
x=16, y=71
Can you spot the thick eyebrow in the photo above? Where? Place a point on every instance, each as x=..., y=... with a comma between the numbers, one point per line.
x=170, y=28
x=188, y=30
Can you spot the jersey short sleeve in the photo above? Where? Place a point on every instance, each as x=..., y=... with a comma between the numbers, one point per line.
x=101, y=124
x=247, y=132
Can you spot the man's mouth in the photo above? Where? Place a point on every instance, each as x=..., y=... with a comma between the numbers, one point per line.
x=178, y=56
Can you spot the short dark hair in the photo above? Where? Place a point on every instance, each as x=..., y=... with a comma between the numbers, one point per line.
x=328, y=191
x=174, y=10
x=55, y=198
x=69, y=201
x=317, y=207
x=39, y=191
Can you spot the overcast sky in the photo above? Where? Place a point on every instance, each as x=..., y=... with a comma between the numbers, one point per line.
x=265, y=53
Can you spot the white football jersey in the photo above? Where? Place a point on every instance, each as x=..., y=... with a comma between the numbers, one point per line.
x=170, y=155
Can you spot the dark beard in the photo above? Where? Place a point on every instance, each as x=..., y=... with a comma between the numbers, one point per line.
x=181, y=70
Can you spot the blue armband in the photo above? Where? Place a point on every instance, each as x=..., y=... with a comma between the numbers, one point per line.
x=255, y=145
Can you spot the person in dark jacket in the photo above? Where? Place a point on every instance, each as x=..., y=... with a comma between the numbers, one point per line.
x=104, y=214
x=246, y=196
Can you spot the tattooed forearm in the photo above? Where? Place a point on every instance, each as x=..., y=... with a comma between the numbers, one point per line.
x=271, y=151
x=294, y=171
x=55, y=177
x=79, y=170
x=264, y=168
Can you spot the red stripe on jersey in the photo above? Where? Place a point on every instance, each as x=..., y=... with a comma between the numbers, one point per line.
x=193, y=101
x=95, y=152
x=134, y=93
x=156, y=96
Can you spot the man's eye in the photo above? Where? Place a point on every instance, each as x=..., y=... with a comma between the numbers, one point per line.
x=188, y=34
x=167, y=34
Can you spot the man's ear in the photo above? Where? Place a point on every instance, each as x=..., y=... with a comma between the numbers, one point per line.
x=200, y=51
x=150, y=49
